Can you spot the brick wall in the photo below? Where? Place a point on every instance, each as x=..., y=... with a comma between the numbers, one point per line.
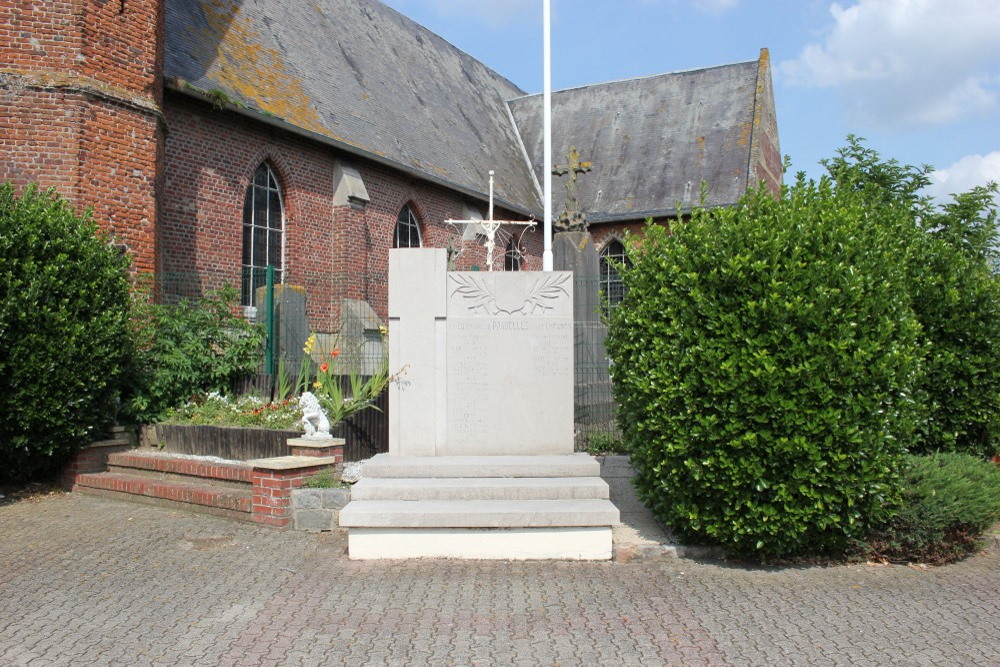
x=765, y=153
x=79, y=94
x=335, y=252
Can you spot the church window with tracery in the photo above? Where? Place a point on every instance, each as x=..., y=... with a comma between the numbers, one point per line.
x=263, y=233
x=612, y=255
x=407, y=230
x=512, y=257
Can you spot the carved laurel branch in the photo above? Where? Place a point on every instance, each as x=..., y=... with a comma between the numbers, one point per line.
x=474, y=290
x=546, y=289
x=540, y=295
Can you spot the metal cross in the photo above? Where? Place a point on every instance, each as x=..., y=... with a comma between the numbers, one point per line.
x=489, y=227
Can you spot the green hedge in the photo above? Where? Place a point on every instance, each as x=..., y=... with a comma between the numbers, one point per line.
x=763, y=362
x=955, y=292
x=949, y=501
x=956, y=297
x=64, y=336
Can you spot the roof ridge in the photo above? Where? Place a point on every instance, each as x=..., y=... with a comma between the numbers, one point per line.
x=636, y=78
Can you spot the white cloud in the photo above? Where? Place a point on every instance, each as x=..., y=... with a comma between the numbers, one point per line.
x=963, y=175
x=910, y=62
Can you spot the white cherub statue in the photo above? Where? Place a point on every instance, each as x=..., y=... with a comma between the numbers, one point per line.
x=314, y=420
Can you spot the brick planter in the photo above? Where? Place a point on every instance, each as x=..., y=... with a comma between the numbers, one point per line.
x=226, y=442
x=259, y=489
x=273, y=481
x=91, y=459
x=330, y=447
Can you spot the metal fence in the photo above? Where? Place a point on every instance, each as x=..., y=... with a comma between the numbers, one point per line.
x=351, y=312
x=595, y=421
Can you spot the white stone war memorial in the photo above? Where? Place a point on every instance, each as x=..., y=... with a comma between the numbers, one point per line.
x=480, y=461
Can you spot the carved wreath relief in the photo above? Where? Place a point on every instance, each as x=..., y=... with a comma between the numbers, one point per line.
x=485, y=295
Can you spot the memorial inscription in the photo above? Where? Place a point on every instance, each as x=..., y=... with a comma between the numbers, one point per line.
x=488, y=359
x=509, y=363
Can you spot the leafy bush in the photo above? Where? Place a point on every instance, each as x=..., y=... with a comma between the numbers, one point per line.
x=603, y=442
x=948, y=502
x=217, y=410
x=957, y=301
x=324, y=479
x=955, y=293
x=191, y=349
x=763, y=361
x=64, y=335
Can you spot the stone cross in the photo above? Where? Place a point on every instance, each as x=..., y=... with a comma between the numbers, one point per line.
x=489, y=227
x=572, y=219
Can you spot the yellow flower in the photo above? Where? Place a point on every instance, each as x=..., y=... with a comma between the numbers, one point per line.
x=309, y=344
x=382, y=330
x=317, y=385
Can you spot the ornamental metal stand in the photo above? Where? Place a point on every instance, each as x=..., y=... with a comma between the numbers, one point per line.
x=490, y=228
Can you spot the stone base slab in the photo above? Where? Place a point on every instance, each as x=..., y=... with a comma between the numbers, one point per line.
x=589, y=543
x=479, y=514
x=555, y=465
x=481, y=488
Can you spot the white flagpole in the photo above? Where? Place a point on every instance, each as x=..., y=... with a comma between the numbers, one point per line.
x=547, y=130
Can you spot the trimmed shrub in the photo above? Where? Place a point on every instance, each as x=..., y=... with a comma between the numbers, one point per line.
x=64, y=334
x=956, y=297
x=191, y=349
x=955, y=292
x=763, y=359
x=949, y=501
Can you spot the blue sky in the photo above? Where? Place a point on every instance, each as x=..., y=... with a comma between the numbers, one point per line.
x=919, y=79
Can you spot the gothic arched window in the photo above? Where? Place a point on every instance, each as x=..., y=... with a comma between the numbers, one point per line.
x=612, y=255
x=263, y=233
x=512, y=257
x=407, y=230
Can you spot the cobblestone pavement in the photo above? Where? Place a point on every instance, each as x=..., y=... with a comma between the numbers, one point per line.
x=85, y=580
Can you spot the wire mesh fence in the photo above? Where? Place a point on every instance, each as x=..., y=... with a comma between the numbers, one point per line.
x=596, y=426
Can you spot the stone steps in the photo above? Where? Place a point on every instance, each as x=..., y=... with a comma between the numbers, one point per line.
x=545, y=466
x=235, y=502
x=150, y=476
x=478, y=514
x=156, y=465
x=258, y=490
x=481, y=488
x=508, y=507
x=177, y=477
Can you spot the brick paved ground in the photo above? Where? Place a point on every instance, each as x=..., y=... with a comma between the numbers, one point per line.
x=85, y=580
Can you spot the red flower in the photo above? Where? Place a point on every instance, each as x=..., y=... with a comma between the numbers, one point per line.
x=324, y=367
x=335, y=353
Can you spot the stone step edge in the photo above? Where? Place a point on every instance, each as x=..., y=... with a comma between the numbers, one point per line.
x=479, y=514
x=480, y=488
x=234, y=471
x=183, y=492
x=237, y=515
x=167, y=476
x=557, y=465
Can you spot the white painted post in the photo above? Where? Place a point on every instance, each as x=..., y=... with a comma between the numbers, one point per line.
x=547, y=130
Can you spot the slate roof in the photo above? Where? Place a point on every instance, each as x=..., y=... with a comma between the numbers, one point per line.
x=652, y=140
x=358, y=75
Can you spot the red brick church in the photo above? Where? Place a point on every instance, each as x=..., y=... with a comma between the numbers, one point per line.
x=215, y=137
